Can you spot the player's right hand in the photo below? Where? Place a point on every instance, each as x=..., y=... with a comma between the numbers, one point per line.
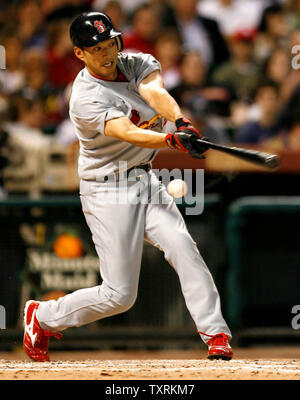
x=185, y=142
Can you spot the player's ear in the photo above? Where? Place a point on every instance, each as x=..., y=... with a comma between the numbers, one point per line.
x=79, y=53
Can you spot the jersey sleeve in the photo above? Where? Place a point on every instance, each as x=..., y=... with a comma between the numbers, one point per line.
x=138, y=66
x=144, y=66
x=90, y=115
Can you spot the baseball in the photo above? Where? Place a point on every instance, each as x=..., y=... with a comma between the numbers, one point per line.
x=177, y=188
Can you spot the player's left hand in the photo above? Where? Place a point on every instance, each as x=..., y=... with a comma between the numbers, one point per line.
x=184, y=125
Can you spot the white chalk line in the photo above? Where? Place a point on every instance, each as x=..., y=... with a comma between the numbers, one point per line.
x=292, y=371
x=128, y=366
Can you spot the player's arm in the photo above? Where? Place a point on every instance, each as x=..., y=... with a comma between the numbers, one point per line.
x=152, y=90
x=123, y=129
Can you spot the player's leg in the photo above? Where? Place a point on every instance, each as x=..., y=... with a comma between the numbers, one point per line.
x=165, y=228
x=118, y=232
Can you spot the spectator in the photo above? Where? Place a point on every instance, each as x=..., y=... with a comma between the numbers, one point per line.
x=292, y=82
x=240, y=74
x=144, y=32
x=193, y=77
x=65, y=10
x=168, y=51
x=12, y=78
x=51, y=7
x=267, y=126
x=197, y=33
x=292, y=9
x=27, y=120
x=30, y=24
x=273, y=32
x=115, y=11
x=294, y=39
x=37, y=86
x=10, y=152
x=63, y=66
x=277, y=66
x=4, y=159
x=48, y=6
x=161, y=7
x=292, y=141
x=194, y=90
x=233, y=15
x=290, y=113
x=8, y=13
x=203, y=104
x=129, y=5
x=35, y=71
x=209, y=124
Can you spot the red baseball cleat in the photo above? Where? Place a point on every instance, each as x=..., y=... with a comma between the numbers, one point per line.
x=36, y=339
x=219, y=348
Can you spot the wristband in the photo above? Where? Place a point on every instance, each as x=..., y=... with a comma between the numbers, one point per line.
x=182, y=122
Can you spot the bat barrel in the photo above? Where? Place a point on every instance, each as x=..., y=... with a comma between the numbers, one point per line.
x=267, y=160
x=272, y=161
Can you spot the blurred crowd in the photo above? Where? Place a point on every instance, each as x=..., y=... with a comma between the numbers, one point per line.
x=232, y=65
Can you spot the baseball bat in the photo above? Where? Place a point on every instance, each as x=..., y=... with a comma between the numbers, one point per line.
x=267, y=160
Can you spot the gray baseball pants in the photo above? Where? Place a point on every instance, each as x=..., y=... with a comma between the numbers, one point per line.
x=118, y=232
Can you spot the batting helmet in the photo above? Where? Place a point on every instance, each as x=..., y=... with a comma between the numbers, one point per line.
x=90, y=28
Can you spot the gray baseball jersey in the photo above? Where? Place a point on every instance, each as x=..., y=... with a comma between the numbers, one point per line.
x=94, y=101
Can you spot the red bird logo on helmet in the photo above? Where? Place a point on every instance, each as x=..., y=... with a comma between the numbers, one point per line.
x=100, y=26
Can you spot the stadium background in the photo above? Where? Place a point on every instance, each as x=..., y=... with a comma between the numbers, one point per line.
x=229, y=65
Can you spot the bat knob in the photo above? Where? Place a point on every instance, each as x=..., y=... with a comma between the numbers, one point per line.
x=272, y=161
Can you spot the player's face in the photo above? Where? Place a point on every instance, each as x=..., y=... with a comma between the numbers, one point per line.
x=100, y=59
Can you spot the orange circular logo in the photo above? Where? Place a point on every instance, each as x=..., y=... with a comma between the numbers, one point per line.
x=68, y=246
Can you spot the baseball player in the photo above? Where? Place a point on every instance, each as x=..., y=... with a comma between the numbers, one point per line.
x=118, y=106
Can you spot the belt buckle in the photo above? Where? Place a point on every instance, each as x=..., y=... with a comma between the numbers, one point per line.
x=137, y=176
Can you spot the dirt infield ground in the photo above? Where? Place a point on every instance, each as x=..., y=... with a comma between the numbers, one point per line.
x=280, y=363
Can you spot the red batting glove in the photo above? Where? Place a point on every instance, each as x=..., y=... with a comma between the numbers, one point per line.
x=185, y=126
x=184, y=142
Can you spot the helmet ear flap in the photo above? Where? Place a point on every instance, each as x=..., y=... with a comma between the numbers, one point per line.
x=119, y=42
